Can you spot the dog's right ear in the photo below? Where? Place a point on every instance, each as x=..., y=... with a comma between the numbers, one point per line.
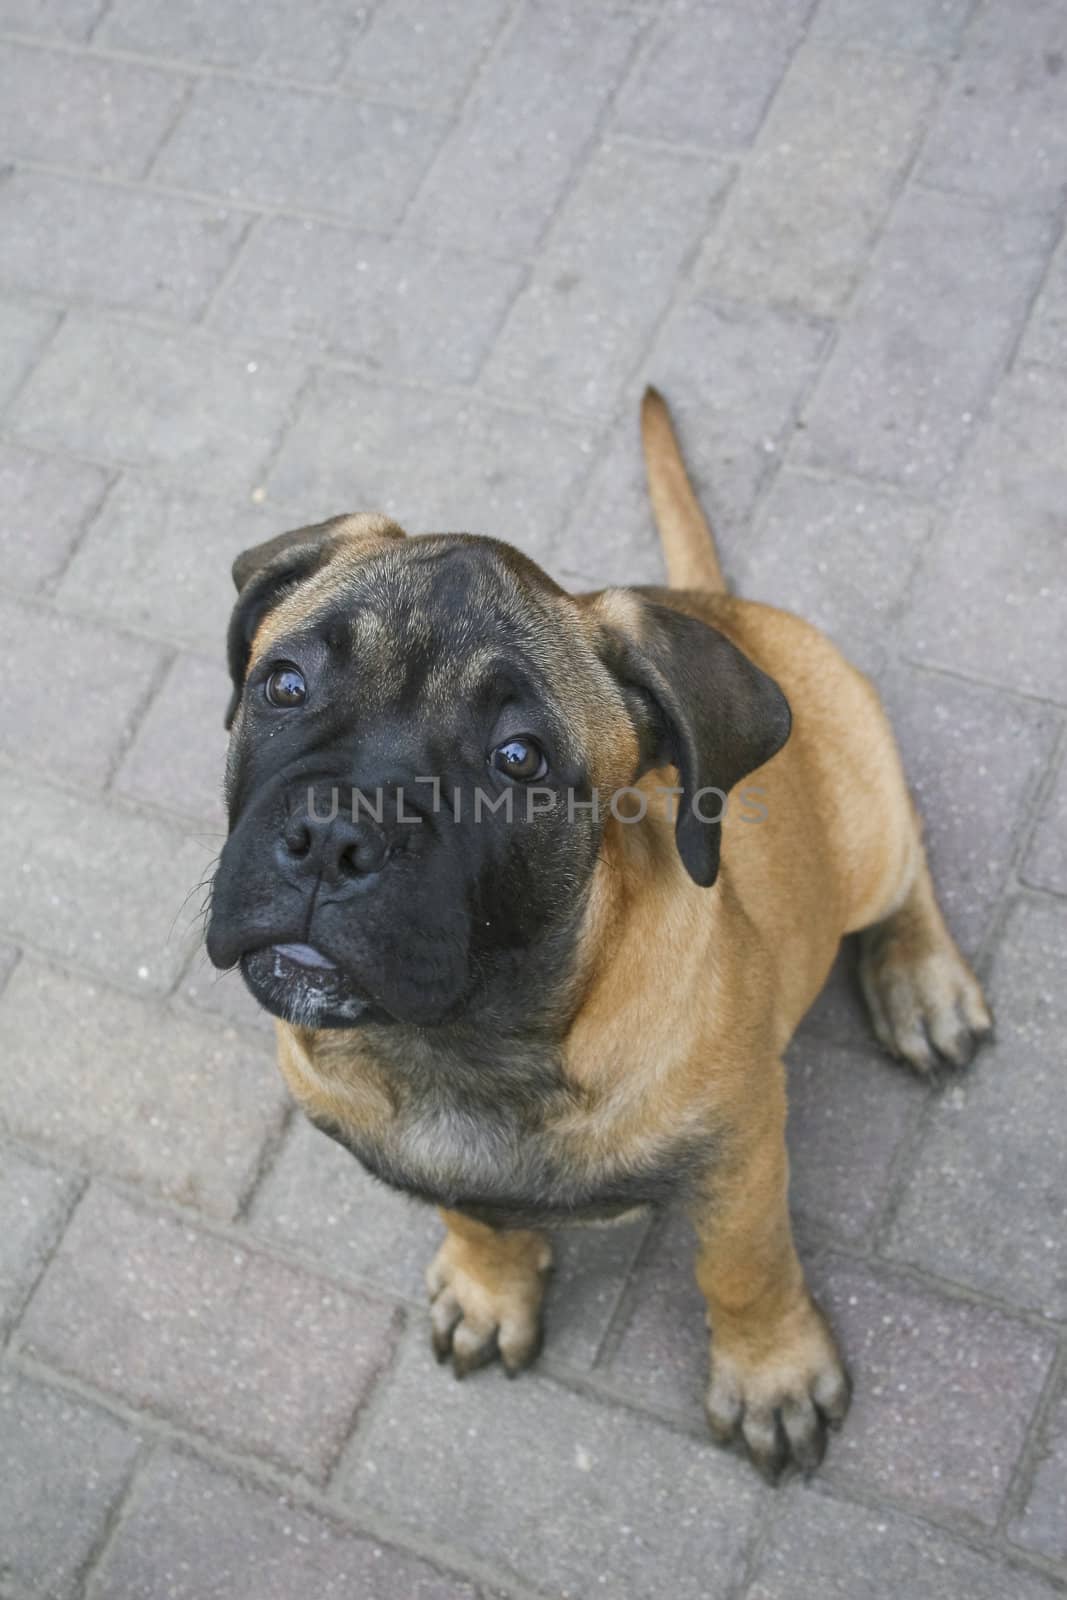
x=264, y=574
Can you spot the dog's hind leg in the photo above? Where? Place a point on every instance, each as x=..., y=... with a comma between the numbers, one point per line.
x=926, y=1004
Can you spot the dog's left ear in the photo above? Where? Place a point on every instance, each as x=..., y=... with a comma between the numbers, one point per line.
x=262, y=576
x=699, y=704
x=266, y=573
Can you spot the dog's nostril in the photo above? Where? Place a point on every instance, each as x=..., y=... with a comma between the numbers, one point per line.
x=363, y=857
x=297, y=838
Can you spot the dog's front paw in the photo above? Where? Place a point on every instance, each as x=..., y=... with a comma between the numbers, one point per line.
x=487, y=1301
x=781, y=1397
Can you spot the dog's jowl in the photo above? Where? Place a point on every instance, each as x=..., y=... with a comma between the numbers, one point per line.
x=531, y=958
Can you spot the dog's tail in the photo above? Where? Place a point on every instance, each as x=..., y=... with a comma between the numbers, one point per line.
x=688, y=542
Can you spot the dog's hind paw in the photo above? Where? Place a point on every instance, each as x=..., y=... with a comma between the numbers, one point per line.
x=486, y=1302
x=928, y=1010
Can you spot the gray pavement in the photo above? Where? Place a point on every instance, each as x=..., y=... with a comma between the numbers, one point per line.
x=264, y=262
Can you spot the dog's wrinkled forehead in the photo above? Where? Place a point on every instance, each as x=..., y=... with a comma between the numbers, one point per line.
x=429, y=620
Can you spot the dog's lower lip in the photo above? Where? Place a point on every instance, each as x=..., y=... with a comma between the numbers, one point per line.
x=304, y=955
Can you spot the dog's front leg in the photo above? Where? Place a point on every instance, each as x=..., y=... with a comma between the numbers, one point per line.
x=776, y=1377
x=486, y=1286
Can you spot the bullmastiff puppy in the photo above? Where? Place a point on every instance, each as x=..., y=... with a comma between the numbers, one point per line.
x=528, y=960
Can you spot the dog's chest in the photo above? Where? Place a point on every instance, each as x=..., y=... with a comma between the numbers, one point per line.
x=498, y=1157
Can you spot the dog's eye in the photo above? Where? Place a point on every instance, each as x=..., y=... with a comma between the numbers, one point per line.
x=286, y=686
x=520, y=759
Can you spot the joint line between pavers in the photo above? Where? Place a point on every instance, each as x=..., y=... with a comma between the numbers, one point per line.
x=1043, y=788
x=459, y=112
x=583, y=155
x=863, y=271
x=269, y=1154
x=166, y=134
x=80, y=1182
x=187, y=67
x=149, y=691
x=1021, y=1479
x=106, y=8
x=84, y=1579
x=625, y=1299
x=7, y=410
x=937, y=669
x=250, y=229
x=402, y=1328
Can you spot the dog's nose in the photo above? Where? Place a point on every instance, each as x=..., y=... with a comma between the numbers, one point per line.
x=334, y=848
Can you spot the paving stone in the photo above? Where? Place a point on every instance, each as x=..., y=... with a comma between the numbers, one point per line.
x=501, y=173
x=840, y=555
x=986, y=1202
x=924, y=26
x=68, y=19
x=126, y=1088
x=944, y=299
x=112, y=247
x=142, y=398
x=81, y=688
x=82, y=111
x=392, y=306
x=158, y=560
x=1046, y=861
x=662, y=1356
x=318, y=1199
x=34, y=1200
x=585, y=1498
x=712, y=71
x=848, y=1115
x=1002, y=130
x=987, y=599
x=269, y=37
x=263, y=1357
x=63, y=1467
x=288, y=147
x=178, y=757
x=973, y=759
x=193, y=1533
x=409, y=51
x=98, y=885
x=430, y=460
x=733, y=402
x=605, y=278
x=944, y=1389
x=801, y=219
x=1041, y=1524
x=839, y=1551
x=24, y=332
x=1045, y=338
x=45, y=502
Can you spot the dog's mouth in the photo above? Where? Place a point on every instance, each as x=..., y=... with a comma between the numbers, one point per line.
x=301, y=985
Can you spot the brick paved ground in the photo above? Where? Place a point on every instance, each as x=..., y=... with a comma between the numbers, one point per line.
x=267, y=261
